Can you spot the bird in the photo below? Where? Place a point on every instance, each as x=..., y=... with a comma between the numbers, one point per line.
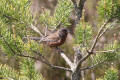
x=55, y=39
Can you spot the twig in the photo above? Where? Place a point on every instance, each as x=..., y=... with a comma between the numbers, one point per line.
x=103, y=32
x=32, y=38
x=107, y=28
x=104, y=51
x=36, y=29
x=57, y=27
x=116, y=50
x=44, y=60
x=47, y=63
x=46, y=29
x=10, y=17
x=99, y=33
x=59, y=67
x=93, y=66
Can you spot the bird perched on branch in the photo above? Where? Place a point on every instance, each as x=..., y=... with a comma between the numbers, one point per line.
x=55, y=39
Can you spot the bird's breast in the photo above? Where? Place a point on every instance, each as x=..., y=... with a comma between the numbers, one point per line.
x=58, y=43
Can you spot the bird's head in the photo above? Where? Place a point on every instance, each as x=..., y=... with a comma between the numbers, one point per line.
x=63, y=32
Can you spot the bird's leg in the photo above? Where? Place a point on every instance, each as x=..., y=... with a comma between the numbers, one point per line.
x=58, y=49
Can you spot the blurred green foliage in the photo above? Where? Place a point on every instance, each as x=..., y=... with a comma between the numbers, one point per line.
x=17, y=13
x=83, y=29
x=110, y=55
x=61, y=15
x=15, y=18
x=109, y=9
x=111, y=74
x=26, y=72
x=63, y=11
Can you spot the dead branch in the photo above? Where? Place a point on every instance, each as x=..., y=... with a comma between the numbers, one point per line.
x=36, y=29
x=67, y=60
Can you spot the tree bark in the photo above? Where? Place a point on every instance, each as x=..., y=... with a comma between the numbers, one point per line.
x=76, y=75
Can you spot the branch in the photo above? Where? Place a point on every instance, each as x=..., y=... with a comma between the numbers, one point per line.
x=111, y=51
x=32, y=38
x=99, y=33
x=36, y=29
x=78, y=54
x=112, y=24
x=57, y=27
x=93, y=66
x=103, y=32
x=43, y=61
x=10, y=17
x=47, y=63
x=68, y=61
x=46, y=29
x=93, y=46
x=104, y=51
x=78, y=9
x=116, y=50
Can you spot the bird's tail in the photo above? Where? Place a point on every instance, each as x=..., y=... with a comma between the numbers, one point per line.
x=32, y=38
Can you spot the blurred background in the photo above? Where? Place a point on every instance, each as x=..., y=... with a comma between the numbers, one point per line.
x=91, y=17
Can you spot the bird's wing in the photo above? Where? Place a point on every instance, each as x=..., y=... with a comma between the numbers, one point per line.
x=51, y=38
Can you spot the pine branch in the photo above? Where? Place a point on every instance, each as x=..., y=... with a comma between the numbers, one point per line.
x=93, y=46
x=48, y=63
x=43, y=60
x=32, y=26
